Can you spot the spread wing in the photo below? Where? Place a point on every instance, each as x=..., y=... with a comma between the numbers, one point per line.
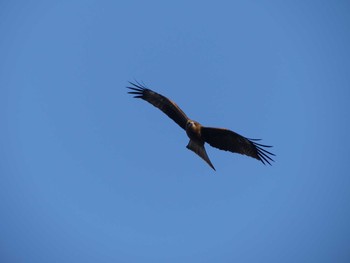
x=164, y=104
x=227, y=140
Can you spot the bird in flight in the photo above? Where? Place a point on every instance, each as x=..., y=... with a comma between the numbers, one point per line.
x=220, y=138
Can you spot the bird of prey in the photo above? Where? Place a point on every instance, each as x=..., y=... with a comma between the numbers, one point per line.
x=220, y=138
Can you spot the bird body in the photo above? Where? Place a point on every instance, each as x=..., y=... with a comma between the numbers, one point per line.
x=196, y=143
x=220, y=138
x=193, y=130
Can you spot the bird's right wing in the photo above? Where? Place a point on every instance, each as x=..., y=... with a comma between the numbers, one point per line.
x=164, y=104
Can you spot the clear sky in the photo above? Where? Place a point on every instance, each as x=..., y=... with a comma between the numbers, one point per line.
x=89, y=174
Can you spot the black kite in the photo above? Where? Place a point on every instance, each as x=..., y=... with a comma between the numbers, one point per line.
x=222, y=139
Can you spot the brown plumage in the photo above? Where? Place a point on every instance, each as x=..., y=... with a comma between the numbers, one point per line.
x=222, y=139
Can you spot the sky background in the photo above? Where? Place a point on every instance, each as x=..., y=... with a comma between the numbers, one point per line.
x=89, y=174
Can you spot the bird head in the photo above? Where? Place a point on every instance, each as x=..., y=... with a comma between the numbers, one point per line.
x=190, y=124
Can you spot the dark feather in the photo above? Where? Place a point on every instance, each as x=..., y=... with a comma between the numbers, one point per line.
x=164, y=104
x=227, y=140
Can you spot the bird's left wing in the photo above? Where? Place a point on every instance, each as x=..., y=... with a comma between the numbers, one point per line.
x=227, y=140
x=164, y=104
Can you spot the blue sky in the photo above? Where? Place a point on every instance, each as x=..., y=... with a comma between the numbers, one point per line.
x=89, y=174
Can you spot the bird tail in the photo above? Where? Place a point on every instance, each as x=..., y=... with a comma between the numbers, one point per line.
x=200, y=151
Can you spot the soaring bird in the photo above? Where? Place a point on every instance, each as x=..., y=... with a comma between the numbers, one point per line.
x=220, y=138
